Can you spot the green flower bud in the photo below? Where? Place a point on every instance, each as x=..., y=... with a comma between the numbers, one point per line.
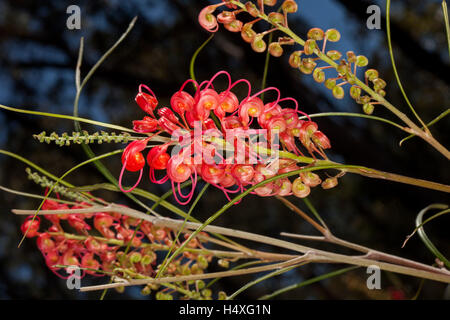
x=334, y=54
x=247, y=33
x=371, y=74
x=200, y=284
x=295, y=59
x=275, y=49
x=135, y=257
x=224, y=263
x=276, y=18
x=202, y=262
x=338, y=92
x=355, y=92
x=316, y=34
x=333, y=35
x=342, y=69
x=330, y=83
x=309, y=63
x=146, y=291
x=379, y=83
x=289, y=6
x=362, y=61
x=364, y=100
x=351, y=57
x=206, y=293
x=222, y=295
x=368, y=108
x=319, y=75
x=258, y=44
x=251, y=9
x=381, y=92
x=309, y=46
x=120, y=289
x=329, y=183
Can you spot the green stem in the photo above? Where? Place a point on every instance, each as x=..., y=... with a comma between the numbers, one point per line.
x=308, y=282
x=394, y=67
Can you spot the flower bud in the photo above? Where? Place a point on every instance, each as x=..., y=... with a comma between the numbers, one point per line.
x=333, y=35
x=252, y=9
x=247, y=33
x=275, y=49
x=338, y=92
x=371, y=74
x=362, y=61
x=334, y=54
x=330, y=83
x=276, y=18
x=234, y=26
x=351, y=57
x=368, y=108
x=310, y=179
x=319, y=75
x=379, y=83
x=202, y=262
x=289, y=6
x=135, y=257
x=224, y=263
x=32, y=226
x=146, y=291
x=258, y=44
x=200, y=284
x=364, y=99
x=316, y=34
x=270, y=3
x=355, y=92
x=299, y=189
x=309, y=46
x=295, y=59
x=206, y=293
x=226, y=17
x=330, y=183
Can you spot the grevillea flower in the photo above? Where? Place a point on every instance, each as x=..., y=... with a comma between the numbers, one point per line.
x=96, y=255
x=212, y=139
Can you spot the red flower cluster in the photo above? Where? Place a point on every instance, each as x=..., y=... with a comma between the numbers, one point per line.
x=97, y=255
x=197, y=122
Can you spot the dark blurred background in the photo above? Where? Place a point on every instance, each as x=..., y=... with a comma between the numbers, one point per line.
x=37, y=61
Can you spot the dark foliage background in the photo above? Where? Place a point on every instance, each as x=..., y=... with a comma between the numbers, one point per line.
x=37, y=61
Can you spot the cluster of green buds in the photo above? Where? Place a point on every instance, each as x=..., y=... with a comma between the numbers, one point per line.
x=306, y=60
x=44, y=182
x=82, y=137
